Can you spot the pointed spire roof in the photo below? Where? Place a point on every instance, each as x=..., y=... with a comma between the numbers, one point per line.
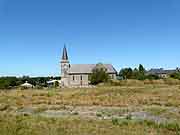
x=64, y=56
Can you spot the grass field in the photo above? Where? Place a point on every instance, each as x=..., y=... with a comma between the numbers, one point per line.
x=136, y=110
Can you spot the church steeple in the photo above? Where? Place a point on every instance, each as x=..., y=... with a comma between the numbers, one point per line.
x=65, y=56
x=65, y=66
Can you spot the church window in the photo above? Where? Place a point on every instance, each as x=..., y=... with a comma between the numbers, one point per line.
x=73, y=78
x=81, y=78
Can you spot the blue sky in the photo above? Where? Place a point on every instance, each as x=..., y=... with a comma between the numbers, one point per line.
x=121, y=32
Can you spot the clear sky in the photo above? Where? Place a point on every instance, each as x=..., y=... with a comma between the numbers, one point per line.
x=121, y=32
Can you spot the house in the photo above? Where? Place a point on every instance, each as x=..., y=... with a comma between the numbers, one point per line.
x=27, y=85
x=78, y=74
x=52, y=83
x=161, y=72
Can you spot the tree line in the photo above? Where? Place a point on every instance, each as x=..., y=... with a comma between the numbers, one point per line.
x=99, y=74
x=11, y=82
x=139, y=73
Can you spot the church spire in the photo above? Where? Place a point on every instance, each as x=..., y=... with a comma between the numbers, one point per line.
x=64, y=56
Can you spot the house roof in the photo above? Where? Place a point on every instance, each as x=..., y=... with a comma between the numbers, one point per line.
x=161, y=71
x=26, y=84
x=51, y=81
x=87, y=68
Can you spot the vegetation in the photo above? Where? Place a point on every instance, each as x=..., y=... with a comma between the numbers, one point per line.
x=176, y=75
x=31, y=125
x=140, y=74
x=126, y=73
x=133, y=82
x=56, y=84
x=11, y=82
x=8, y=82
x=156, y=100
x=140, y=104
x=133, y=95
x=99, y=74
x=137, y=74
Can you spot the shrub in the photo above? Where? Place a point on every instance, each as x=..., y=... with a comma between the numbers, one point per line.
x=129, y=117
x=115, y=121
x=173, y=126
x=98, y=114
x=56, y=84
x=175, y=75
x=129, y=73
x=99, y=75
x=51, y=93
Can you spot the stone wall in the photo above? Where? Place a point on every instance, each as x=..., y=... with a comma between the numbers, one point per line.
x=79, y=80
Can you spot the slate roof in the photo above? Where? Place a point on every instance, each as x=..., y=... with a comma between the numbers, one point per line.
x=87, y=68
x=161, y=71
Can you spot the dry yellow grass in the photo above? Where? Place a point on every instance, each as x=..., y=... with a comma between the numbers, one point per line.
x=131, y=82
x=140, y=96
x=31, y=125
x=104, y=96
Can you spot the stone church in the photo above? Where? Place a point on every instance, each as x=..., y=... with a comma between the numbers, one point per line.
x=77, y=75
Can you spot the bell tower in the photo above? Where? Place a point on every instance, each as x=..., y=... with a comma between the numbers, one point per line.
x=65, y=65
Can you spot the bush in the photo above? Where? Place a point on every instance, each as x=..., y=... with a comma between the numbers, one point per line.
x=175, y=75
x=115, y=121
x=129, y=73
x=51, y=93
x=56, y=84
x=99, y=75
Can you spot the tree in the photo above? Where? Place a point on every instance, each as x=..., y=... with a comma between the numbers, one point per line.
x=10, y=82
x=56, y=84
x=141, y=69
x=135, y=73
x=175, y=75
x=126, y=73
x=141, y=75
x=99, y=74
